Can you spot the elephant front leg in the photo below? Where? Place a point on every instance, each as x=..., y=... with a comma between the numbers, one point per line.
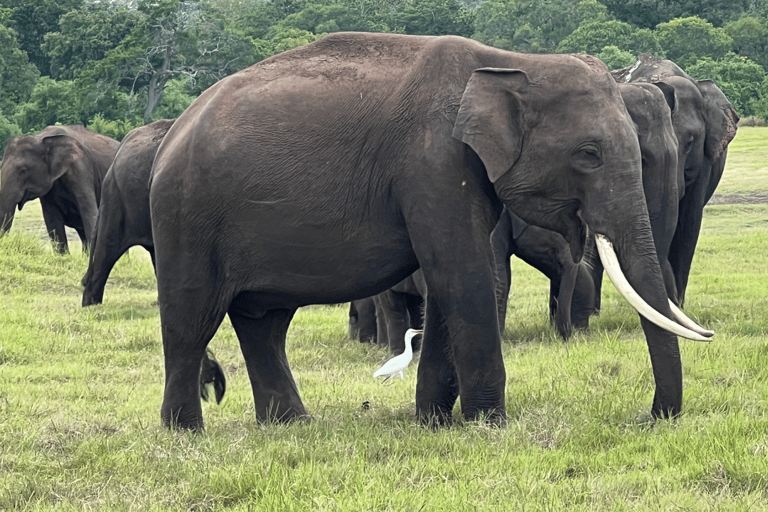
x=54, y=224
x=437, y=384
x=461, y=352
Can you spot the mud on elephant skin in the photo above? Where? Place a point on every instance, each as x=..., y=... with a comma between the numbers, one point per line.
x=123, y=219
x=441, y=132
x=64, y=167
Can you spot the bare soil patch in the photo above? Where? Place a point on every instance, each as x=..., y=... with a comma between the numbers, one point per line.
x=743, y=198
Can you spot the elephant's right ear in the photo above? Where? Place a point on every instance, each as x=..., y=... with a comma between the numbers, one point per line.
x=490, y=117
x=62, y=152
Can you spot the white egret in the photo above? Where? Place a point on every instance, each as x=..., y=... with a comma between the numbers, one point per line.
x=399, y=363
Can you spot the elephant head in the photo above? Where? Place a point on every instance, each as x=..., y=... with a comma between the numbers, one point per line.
x=63, y=166
x=583, y=178
x=31, y=164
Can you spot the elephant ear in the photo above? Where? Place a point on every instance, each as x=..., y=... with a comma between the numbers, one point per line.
x=722, y=119
x=490, y=117
x=62, y=152
x=669, y=94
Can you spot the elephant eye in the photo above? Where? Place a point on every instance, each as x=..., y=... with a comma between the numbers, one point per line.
x=588, y=156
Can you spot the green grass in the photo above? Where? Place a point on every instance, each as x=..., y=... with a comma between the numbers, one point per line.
x=80, y=393
x=746, y=167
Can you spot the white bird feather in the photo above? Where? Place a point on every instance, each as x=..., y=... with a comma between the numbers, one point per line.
x=399, y=363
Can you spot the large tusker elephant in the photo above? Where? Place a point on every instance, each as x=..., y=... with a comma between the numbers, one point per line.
x=573, y=289
x=705, y=123
x=123, y=219
x=64, y=166
x=257, y=207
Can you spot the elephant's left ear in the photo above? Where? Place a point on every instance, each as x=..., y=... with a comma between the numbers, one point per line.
x=722, y=119
x=62, y=152
x=490, y=117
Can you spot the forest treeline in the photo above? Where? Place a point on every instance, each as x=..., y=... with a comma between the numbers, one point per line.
x=114, y=65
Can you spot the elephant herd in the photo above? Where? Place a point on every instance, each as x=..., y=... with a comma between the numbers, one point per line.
x=400, y=173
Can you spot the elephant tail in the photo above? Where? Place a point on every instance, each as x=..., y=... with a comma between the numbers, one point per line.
x=212, y=373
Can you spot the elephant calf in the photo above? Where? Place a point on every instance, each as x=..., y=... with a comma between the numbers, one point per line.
x=64, y=166
x=123, y=220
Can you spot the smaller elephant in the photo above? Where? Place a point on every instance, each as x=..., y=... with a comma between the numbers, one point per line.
x=384, y=318
x=123, y=219
x=64, y=166
x=571, y=290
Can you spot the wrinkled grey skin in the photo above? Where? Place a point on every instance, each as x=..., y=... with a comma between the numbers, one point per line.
x=573, y=291
x=123, y=219
x=440, y=132
x=705, y=122
x=64, y=166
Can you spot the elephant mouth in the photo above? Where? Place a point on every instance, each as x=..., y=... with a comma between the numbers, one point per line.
x=683, y=326
x=27, y=197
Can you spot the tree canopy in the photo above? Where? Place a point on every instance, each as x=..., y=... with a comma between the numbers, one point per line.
x=116, y=64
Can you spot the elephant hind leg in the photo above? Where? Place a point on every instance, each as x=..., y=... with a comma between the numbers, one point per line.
x=188, y=324
x=262, y=342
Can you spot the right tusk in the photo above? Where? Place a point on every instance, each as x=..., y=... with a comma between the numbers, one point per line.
x=683, y=320
x=613, y=270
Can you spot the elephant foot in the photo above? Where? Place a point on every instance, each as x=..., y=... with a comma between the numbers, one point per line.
x=276, y=412
x=434, y=417
x=183, y=417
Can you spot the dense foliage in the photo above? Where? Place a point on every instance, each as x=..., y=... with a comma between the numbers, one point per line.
x=117, y=64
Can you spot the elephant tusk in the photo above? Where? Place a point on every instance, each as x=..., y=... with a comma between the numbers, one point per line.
x=685, y=321
x=613, y=270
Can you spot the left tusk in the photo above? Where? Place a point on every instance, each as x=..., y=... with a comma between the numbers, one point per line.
x=619, y=280
x=683, y=320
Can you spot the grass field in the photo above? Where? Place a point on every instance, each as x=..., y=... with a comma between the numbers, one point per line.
x=80, y=393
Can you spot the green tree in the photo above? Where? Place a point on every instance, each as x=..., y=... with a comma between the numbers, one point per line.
x=433, y=17
x=174, y=38
x=32, y=19
x=649, y=13
x=531, y=25
x=85, y=35
x=17, y=75
x=51, y=102
x=750, y=38
x=616, y=58
x=742, y=81
x=593, y=36
x=687, y=39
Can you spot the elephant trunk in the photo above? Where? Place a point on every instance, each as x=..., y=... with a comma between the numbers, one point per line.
x=6, y=215
x=637, y=260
